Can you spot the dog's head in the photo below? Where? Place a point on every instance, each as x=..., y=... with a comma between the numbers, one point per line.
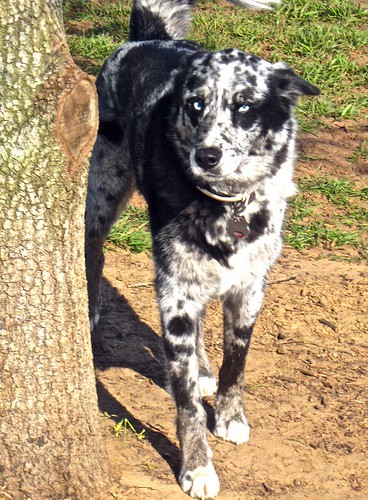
x=234, y=120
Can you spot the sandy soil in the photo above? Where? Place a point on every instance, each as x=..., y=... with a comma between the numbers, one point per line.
x=306, y=382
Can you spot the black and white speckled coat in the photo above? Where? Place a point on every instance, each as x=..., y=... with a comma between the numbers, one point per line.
x=208, y=138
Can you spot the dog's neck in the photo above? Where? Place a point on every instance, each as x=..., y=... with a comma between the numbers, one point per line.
x=246, y=199
x=238, y=222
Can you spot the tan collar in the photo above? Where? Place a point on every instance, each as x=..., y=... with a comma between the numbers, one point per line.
x=230, y=198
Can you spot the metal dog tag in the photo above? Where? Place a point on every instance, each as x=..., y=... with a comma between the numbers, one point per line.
x=238, y=226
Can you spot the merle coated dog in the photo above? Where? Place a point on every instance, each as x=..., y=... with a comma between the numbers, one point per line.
x=208, y=138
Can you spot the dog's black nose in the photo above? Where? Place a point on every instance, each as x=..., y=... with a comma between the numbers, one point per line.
x=208, y=158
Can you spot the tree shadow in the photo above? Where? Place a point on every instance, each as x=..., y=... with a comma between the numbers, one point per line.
x=122, y=340
x=117, y=412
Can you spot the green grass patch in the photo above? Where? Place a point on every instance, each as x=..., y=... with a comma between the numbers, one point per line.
x=325, y=42
x=337, y=191
x=330, y=212
x=95, y=30
x=361, y=152
x=131, y=231
x=124, y=427
x=89, y=50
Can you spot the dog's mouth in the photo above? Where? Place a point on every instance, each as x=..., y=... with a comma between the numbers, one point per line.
x=211, y=177
x=216, y=185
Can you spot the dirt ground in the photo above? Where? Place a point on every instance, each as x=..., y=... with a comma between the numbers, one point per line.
x=306, y=383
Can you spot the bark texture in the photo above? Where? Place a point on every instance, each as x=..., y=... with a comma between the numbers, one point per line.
x=50, y=445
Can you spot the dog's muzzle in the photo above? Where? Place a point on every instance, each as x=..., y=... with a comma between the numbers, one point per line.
x=207, y=158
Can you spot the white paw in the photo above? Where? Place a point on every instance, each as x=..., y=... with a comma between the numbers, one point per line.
x=201, y=483
x=207, y=386
x=94, y=321
x=235, y=432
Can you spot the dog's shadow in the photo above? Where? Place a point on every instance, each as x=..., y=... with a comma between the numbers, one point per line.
x=121, y=339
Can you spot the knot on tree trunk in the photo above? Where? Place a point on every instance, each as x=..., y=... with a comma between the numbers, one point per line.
x=77, y=118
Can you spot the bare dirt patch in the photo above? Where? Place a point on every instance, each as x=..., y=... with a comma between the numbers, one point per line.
x=306, y=383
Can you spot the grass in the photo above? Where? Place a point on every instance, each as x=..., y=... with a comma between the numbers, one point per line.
x=331, y=213
x=303, y=33
x=325, y=42
x=361, y=152
x=96, y=29
x=124, y=427
x=131, y=231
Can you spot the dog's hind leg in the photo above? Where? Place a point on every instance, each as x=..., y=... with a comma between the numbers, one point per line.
x=110, y=184
x=240, y=312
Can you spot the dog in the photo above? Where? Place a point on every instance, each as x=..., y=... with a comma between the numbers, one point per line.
x=209, y=140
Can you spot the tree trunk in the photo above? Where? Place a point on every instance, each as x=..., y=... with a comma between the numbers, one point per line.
x=50, y=446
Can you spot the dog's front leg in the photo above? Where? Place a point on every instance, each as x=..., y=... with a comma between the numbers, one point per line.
x=197, y=475
x=241, y=308
x=207, y=380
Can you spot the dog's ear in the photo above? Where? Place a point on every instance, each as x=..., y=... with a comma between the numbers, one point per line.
x=187, y=60
x=180, y=75
x=289, y=84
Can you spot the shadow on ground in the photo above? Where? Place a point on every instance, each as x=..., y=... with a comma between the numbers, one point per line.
x=122, y=340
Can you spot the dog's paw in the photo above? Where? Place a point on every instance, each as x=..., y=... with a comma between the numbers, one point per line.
x=201, y=483
x=207, y=386
x=234, y=431
x=93, y=321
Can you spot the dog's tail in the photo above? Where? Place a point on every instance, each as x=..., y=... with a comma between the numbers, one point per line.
x=170, y=19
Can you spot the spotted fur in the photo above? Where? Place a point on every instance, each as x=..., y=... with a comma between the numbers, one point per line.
x=192, y=128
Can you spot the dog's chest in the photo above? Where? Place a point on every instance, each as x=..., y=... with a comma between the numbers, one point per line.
x=253, y=258
x=249, y=264
x=242, y=222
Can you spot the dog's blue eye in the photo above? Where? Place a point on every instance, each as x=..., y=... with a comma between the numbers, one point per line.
x=244, y=108
x=197, y=105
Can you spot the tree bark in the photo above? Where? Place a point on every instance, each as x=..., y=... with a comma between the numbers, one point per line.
x=50, y=445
